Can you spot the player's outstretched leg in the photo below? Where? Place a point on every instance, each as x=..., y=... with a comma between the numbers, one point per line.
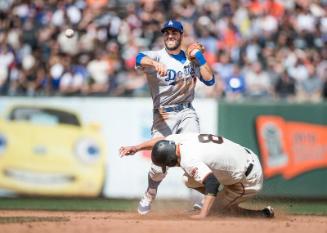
x=144, y=206
x=267, y=212
x=145, y=203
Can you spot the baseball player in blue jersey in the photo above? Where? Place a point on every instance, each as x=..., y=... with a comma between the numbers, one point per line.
x=172, y=75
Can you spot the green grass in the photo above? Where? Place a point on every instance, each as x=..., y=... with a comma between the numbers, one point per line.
x=79, y=204
x=301, y=207
x=68, y=204
x=293, y=206
x=24, y=219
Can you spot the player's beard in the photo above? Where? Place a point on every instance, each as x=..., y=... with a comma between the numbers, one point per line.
x=176, y=46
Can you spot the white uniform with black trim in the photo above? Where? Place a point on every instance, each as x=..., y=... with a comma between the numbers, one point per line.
x=202, y=154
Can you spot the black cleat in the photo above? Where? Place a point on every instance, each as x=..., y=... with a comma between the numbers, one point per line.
x=268, y=212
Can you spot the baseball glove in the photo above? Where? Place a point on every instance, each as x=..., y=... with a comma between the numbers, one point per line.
x=192, y=49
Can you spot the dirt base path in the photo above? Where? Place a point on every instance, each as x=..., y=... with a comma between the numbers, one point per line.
x=115, y=222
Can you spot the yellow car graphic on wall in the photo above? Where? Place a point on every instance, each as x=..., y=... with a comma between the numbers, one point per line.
x=47, y=151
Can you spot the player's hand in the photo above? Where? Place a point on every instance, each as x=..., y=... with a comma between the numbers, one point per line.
x=160, y=68
x=127, y=150
x=192, y=49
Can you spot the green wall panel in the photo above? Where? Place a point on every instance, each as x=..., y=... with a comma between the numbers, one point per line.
x=236, y=121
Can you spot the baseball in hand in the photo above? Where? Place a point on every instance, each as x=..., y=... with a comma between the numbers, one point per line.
x=69, y=33
x=192, y=49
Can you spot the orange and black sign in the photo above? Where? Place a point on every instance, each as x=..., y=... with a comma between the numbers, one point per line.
x=290, y=148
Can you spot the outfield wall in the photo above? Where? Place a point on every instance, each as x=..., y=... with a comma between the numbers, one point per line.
x=291, y=140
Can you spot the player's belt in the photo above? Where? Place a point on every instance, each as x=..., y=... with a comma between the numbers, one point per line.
x=250, y=167
x=174, y=108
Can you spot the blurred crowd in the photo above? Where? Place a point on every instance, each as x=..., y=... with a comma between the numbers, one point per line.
x=260, y=49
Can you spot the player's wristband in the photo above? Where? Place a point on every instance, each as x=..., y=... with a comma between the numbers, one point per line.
x=200, y=58
x=139, y=58
x=208, y=82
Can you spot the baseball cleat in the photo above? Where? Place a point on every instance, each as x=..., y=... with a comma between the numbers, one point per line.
x=198, y=205
x=268, y=212
x=145, y=204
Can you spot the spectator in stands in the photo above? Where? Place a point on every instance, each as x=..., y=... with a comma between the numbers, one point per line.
x=131, y=83
x=73, y=80
x=34, y=50
x=324, y=89
x=235, y=86
x=285, y=87
x=223, y=66
x=258, y=82
x=98, y=69
x=310, y=88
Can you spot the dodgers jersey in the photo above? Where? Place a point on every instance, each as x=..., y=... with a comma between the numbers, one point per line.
x=178, y=85
x=202, y=154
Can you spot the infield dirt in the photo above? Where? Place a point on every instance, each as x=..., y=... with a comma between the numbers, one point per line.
x=127, y=222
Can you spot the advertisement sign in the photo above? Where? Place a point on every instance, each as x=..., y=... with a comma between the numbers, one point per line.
x=290, y=148
x=69, y=146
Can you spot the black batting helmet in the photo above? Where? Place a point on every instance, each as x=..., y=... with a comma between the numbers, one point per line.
x=164, y=154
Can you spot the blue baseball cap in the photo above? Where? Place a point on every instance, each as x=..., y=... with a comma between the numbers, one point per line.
x=172, y=24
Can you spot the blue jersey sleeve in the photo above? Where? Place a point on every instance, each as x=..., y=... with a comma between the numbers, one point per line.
x=139, y=57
